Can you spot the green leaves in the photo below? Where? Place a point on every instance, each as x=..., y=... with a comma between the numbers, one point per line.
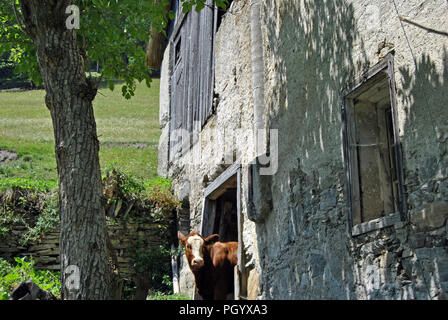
x=198, y=5
x=116, y=32
x=15, y=41
x=113, y=33
x=11, y=276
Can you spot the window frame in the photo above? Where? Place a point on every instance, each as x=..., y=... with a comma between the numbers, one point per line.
x=385, y=66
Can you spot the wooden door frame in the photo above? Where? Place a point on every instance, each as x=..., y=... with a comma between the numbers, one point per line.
x=211, y=194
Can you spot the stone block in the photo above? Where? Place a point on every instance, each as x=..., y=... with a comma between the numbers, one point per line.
x=442, y=267
x=164, y=104
x=430, y=216
x=252, y=285
x=417, y=240
x=387, y=259
x=328, y=199
x=162, y=167
x=317, y=264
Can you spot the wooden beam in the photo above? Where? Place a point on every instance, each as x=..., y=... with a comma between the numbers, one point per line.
x=224, y=177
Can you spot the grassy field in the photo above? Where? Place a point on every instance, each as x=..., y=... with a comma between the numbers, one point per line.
x=128, y=131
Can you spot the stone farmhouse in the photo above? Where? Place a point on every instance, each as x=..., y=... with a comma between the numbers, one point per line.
x=314, y=133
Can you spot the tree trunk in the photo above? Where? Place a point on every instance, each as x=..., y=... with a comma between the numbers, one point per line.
x=86, y=271
x=156, y=44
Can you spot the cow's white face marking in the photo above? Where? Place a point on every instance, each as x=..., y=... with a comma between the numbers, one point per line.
x=195, y=244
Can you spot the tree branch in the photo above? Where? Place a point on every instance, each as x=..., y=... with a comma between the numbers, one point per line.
x=19, y=18
x=443, y=33
x=29, y=26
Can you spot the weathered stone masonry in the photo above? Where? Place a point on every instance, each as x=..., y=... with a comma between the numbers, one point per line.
x=313, y=51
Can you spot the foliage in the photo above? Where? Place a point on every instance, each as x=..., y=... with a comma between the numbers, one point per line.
x=155, y=262
x=15, y=41
x=8, y=218
x=163, y=296
x=188, y=5
x=48, y=220
x=112, y=33
x=11, y=276
x=129, y=289
x=27, y=184
x=158, y=191
x=127, y=184
x=37, y=211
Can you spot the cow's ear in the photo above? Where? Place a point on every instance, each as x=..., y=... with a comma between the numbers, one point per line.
x=211, y=239
x=181, y=237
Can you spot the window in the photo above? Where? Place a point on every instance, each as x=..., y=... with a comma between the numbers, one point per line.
x=372, y=153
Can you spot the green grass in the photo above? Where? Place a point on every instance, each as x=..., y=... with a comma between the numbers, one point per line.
x=26, y=128
x=26, y=183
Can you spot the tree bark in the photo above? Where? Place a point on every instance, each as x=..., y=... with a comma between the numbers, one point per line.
x=156, y=44
x=86, y=270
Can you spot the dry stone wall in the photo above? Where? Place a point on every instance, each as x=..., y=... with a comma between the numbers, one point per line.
x=45, y=252
x=126, y=237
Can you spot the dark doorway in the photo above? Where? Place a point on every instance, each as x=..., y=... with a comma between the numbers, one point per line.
x=221, y=212
x=225, y=223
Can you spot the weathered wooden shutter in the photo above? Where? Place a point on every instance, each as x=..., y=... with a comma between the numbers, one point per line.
x=207, y=55
x=192, y=80
x=194, y=74
x=177, y=90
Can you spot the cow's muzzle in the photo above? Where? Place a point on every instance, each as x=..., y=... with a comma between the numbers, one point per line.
x=197, y=263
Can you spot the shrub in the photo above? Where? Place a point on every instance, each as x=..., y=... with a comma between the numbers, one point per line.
x=157, y=263
x=156, y=192
x=159, y=193
x=163, y=296
x=11, y=276
x=37, y=211
x=47, y=220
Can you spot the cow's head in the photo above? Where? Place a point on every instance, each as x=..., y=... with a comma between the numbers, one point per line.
x=195, y=246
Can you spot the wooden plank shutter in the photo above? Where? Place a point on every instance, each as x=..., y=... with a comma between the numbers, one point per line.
x=177, y=83
x=206, y=51
x=192, y=80
x=194, y=74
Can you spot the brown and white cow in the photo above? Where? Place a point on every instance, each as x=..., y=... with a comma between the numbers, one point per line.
x=212, y=263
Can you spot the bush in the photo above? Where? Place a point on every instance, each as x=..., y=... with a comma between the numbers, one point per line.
x=163, y=296
x=156, y=192
x=35, y=210
x=157, y=263
x=47, y=220
x=11, y=276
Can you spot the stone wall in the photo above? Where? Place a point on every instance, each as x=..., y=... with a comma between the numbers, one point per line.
x=45, y=252
x=313, y=50
x=126, y=237
x=312, y=56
